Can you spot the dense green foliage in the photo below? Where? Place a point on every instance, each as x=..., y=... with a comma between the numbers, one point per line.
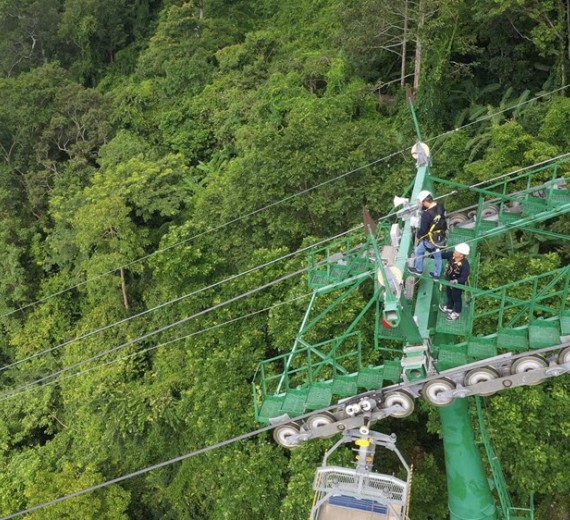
x=151, y=148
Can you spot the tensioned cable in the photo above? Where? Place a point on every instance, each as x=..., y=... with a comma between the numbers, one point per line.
x=215, y=446
x=273, y=261
x=166, y=343
x=457, y=190
x=141, y=472
x=273, y=204
x=159, y=465
x=209, y=230
x=233, y=277
x=246, y=272
x=155, y=466
x=489, y=116
x=155, y=332
x=176, y=300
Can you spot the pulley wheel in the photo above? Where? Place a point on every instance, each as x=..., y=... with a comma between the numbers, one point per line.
x=283, y=433
x=401, y=398
x=528, y=364
x=433, y=389
x=320, y=419
x=564, y=356
x=480, y=375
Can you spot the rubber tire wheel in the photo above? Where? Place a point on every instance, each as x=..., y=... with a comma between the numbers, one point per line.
x=457, y=219
x=283, y=431
x=404, y=399
x=527, y=364
x=434, y=387
x=320, y=419
x=484, y=373
x=564, y=356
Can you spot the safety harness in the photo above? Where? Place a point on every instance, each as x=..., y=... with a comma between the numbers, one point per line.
x=453, y=269
x=437, y=233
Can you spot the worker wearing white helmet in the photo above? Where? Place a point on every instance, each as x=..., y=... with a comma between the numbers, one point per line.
x=431, y=234
x=423, y=195
x=457, y=272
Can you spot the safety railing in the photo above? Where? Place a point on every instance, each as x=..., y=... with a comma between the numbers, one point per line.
x=308, y=365
x=518, y=303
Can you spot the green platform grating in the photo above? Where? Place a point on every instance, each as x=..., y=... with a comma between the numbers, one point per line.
x=486, y=225
x=318, y=279
x=559, y=196
x=271, y=406
x=335, y=274
x=294, y=402
x=534, y=205
x=390, y=333
x=319, y=396
x=370, y=378
x=344, y=386
x=508, y=217
x=543, y=333
x=451, y=356
x=393, y=370
x=338, y=272
x=360, y=265
x=459, y=327
x=565, y=323
x=482, y=347
x=458, y=235
x=513, y=339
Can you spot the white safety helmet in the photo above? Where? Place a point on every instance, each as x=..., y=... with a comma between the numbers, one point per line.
x=423, y=195
x=462, y=249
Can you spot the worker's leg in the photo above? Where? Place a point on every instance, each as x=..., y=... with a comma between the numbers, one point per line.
x=421, y=252
x=438, y=262
x=449, y=291
x=456, y=297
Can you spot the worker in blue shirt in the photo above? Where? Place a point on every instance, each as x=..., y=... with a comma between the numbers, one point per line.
x=430, y=235
x=457, y=272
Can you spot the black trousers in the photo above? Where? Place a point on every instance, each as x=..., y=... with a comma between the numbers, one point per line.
x=454, y=299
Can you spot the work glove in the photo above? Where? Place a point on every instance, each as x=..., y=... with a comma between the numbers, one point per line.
x=453, y=281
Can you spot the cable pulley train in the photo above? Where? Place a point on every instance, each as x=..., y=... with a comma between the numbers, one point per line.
x=501, y=340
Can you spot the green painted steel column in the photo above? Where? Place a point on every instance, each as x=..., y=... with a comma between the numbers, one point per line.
x=468, y=488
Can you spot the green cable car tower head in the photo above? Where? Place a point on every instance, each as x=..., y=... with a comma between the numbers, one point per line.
x=399, y=346
x=469, y=494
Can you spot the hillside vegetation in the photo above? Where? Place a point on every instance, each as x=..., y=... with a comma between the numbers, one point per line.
x=151, y=149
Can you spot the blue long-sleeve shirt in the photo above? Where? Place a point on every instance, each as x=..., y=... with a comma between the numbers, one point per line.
x=427, y=218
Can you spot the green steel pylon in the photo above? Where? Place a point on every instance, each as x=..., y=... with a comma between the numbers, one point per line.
x=319, y=371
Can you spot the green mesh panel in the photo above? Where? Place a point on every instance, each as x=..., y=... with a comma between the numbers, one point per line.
x=359, y=266
x=565, y=323
x=534, y=205
x=559, y=196
x=451, y=356
x=390, y=333
x=338, y=272
x=393, y=370
x=459, y=327
x=344, y=386
x=370, y=378
x=294, y=402
x=318, y=279
x=507, y=217
x=271, y=407
x=458, y=235
x=482, y=347
x=486, y=225
x=542, y=333
x=513, y=339
x=319, y=396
